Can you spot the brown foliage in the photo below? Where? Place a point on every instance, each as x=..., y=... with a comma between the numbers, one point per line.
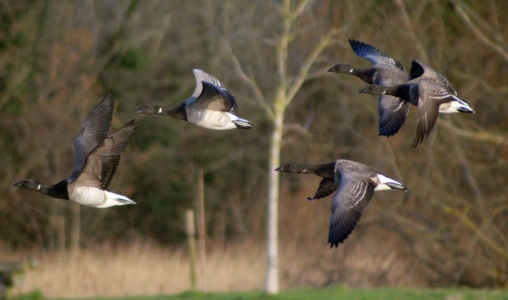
x=450, y=229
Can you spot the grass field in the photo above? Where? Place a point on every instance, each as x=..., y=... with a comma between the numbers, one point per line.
x=148, y=271
x=342, y=293
x=337, y=293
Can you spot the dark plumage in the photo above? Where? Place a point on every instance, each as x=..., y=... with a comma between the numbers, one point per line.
x=97, y=156
x=353, y=185
x=387, y=72
x=428, y=90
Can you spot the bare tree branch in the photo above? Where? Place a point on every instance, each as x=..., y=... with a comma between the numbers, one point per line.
x=471, y=225
x=481, y=136
x=251, y=82
x=483, y=36
x=409, y=25
x=299, y=9
x=325, y=41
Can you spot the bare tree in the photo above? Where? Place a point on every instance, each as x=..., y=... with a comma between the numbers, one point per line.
x=288, y=85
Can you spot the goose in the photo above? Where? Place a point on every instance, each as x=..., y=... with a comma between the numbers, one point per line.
x=353, y=185
x=211, y=106
x=385, y=71
x=428, y=90
x=96, y=158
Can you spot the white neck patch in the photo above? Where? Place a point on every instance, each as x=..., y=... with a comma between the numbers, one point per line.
x=38, y=187
x=160, y=110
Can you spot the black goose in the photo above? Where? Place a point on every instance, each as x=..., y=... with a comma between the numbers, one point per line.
x=354, y=185
x=210, y=106
x=428, y=90
x=96, y=158
x=387, y=72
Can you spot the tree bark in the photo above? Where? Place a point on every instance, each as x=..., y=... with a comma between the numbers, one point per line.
x=272, y=247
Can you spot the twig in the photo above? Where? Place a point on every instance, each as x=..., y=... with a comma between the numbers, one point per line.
x=477, y=31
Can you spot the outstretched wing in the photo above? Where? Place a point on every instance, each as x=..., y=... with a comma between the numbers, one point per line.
x=431, y=97
x=93, y=131
x=215, y=98
x=348, y=204
x=374, y=55
x=203, y=76
x=392, y=114
x=102, y=162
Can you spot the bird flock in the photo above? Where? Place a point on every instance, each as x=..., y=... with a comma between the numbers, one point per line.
x=211, y=106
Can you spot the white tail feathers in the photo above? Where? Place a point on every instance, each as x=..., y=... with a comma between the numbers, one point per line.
x=113, y=199
x=386, y=183
x=240, y=123
x=457, y=106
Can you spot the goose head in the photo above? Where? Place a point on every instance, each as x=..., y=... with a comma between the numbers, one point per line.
x=28, y=184
x=149, y=109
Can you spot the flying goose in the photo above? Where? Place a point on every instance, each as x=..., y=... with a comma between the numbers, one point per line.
x=353, y=183
x=428, y=90
x=387, y=72
x=96, y=158
x=210, y=106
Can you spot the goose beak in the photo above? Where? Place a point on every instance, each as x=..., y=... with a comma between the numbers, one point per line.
x=139, y=111
x=332, y=69
x=279, y=169
x=17, y=184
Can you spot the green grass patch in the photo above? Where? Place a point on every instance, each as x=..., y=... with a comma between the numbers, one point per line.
x=342, y=293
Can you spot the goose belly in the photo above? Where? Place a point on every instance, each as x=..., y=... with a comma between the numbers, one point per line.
x=216, y=120
x=88, y=196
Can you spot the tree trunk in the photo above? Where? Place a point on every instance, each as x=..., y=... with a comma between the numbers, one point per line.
x=191, y=244
x=272, y=247
x=200, y=208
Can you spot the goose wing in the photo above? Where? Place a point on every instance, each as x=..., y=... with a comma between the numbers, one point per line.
x=326, y=187
x=93, y=131
x=431, y=96
x=392, y=111
x=392, y=114
x=214, y=98
x=102, y=161
x=374, y=55
x=348, y=204
x=417, y=70
x=203, y=76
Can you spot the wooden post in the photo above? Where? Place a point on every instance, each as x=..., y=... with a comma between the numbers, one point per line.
x=75, y=230
x=201, y=227
x=191, y=242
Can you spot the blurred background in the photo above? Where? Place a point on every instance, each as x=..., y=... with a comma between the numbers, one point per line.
x=58, y=59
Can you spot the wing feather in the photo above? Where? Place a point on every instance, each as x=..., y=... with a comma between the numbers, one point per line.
x=93, y=131
x=203, y=76
x=102, y=162
x=348, y=204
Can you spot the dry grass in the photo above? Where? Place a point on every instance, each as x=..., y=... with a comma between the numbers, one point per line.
x=150, y=269
x=140, y=269
x=371, y=257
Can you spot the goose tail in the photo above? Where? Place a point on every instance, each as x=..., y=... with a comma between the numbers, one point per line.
x=386, y=183
x=113, y=199
x=457, y=106
x=242, y=123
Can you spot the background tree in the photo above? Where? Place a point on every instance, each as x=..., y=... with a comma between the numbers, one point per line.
x=284, y=92
x=59, y=60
